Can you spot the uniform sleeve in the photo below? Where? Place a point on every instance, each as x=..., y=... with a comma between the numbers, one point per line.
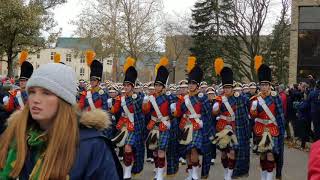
x=101, y=165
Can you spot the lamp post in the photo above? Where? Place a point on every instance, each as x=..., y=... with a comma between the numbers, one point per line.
x=174, y=70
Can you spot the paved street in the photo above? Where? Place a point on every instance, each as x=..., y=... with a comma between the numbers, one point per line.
x=295, y=168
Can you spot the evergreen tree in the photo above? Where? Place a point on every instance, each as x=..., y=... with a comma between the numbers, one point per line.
x=206, y=31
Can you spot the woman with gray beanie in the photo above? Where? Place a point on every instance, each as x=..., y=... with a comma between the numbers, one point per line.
x=49, y=139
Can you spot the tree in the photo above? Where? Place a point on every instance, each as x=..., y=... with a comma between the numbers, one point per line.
x=178, y=40
x=21, y=26
x=242, y=35
x=278, y=46
x=206, y=33
x=123, y=26
x=233, y=30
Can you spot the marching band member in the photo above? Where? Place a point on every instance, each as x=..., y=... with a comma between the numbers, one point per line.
x=18, y=97
x=211, y=96
x=195, y=123
x=266, y=108
x=158, y=104
x=131, y=124
x=232, y=126
x=95, y=97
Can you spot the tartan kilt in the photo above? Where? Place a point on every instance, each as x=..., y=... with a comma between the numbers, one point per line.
x=172, y=152
x=196, y=142
x=131, y=139
x=164, y=140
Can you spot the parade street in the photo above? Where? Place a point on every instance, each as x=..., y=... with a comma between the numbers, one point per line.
x=295, y=168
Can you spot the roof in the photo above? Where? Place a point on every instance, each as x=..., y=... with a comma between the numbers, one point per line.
x=75, y=43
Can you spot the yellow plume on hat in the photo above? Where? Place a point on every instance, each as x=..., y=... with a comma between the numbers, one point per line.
x=23, y=57
x=156, y=69
x=90, y=55
x=257, y=62
x=129, y=62
x=191, y=63
x=57, y=58
x=164, y=61
x=218, y=65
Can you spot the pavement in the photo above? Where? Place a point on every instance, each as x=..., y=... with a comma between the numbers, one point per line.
x=295, y=168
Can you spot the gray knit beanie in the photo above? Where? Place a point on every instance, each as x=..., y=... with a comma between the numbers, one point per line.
x=57, y=78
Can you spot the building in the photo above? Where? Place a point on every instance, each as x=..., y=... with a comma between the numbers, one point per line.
x=72, y=51
x=177, y=50
x=144, y=65
x=304, y=40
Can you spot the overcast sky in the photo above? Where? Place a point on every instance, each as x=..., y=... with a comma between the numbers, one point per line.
x=66, y=12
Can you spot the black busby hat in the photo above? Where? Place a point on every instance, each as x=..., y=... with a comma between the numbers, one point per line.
x=264, y=71
x=130, y=71
x=26, y=69
x=225, y=72
x=195, y=73
x=162, y=72
x=96, y=67
x=226, y=76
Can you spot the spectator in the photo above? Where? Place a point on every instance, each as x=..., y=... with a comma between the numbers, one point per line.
x=292, y=101
x=303, y=114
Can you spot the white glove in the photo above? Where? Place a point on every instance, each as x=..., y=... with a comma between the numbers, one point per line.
x=5, y=100
x=254, y=105
x=173, y=107
x=146, y=99
x=109, y=103
x=201, y=124
x=215, y=107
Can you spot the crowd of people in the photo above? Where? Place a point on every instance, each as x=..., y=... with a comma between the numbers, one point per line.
x=56, y=128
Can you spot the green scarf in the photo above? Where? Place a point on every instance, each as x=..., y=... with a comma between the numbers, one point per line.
x=36, y=140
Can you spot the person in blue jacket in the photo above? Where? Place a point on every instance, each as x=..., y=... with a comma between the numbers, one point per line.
x=303, y=116
x=314, y=103
x=50, y=139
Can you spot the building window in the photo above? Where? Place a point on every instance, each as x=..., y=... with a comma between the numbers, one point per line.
x=38, y=56
x=81, y=71
x=82, y=61
x=308, y=42
x=68, y=58
x=52, y=55
x=109, y=62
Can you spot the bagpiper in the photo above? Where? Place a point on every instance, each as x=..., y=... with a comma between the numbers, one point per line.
x=131, y=124
x=158, y=104
x=232, y=126
x=94, y=97
x=18, y=97
x=266, y=109
x=195, y=123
